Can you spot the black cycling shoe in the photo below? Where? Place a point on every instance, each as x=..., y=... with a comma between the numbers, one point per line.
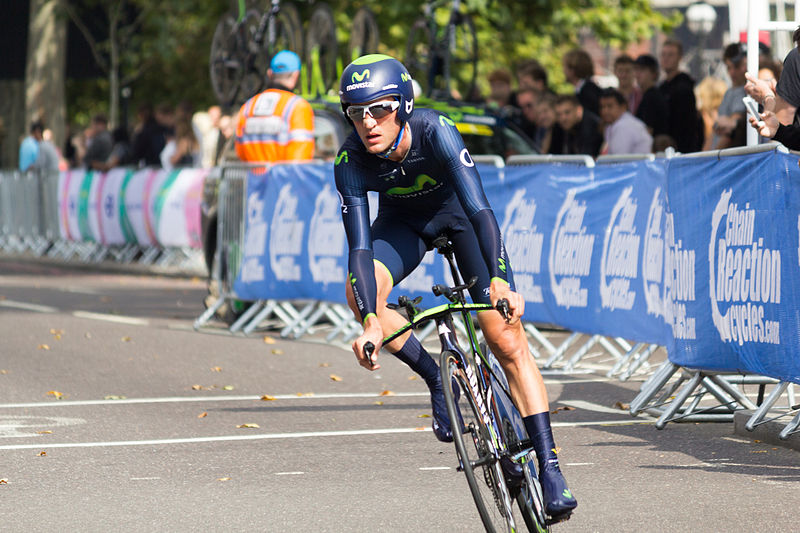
x=558, y=499
x=441, y=420
x=514, y=474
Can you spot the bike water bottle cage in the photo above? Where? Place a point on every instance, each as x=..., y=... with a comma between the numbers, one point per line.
x=377, y=110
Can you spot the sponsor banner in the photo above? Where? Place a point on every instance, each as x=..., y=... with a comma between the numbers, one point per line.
x=148, y=207
x=701, y=255
x=732, y=264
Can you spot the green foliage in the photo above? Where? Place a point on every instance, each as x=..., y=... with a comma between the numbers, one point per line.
x=166, y=58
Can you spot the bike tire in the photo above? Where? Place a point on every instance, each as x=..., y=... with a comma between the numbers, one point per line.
x=322, y=49
x=463, y=57
x=227, y=60
x=418, y=58
x=471, y=438
x=364, y=35
x=288, y=33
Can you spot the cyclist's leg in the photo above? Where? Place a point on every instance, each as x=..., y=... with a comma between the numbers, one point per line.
x=510, y=345
x=398, y=249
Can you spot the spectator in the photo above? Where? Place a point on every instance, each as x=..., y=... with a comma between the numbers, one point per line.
x=49, y=159
x=781, y=98
x=548, y=132
x=277, y=125
x=227, y=131
x=579, y=69
x=769, y=70
x=729, y=129
x=708, y=95
x=182, y=148
x=532, y=75
x=500, y=94
x=207, y=124
x=149, y=138
x=98, y=143
x=581, y=127
x=527, y=119
x=623, y=70
x=683, y=122
x=29, y=148
x=121, y=151
x=624, y=133
x=652, y=109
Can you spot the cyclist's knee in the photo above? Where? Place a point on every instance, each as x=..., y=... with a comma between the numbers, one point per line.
x=508, y=342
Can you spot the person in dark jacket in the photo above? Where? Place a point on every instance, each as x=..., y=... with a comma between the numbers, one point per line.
x=652, y=109
x=579, y=69
x=683, y=120
x=582, y=132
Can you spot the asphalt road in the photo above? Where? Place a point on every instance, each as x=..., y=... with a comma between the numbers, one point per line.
x=116, y=416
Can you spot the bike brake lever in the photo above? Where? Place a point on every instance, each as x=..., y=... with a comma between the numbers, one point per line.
x=503, y=308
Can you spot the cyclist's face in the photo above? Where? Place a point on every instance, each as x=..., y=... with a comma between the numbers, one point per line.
x=378, y=134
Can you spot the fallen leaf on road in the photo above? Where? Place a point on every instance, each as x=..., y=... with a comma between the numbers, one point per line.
x=197, y=387
x=277, y=351
x=3, y=371
x=42, y=454
x=324, y=365
x=305, y=394
x=759, y=451
x=55, y=393
x=216, y=369
x=252, y=426
x=44, y=347
x=334, y=377
x=377, y=403
x=202, y=415
x=45, y=432
x=3, y=481
x=623, y=406
x=562, y=408
x=114, y=397
x=223, y=479
x=56, y=333
x=268, y=398
x=387, y=393
x=412, y=378
x=421, y=428
x=424, y=416
x=87, y=335
x=228, y=387
x=126, y=339
x=269, y=340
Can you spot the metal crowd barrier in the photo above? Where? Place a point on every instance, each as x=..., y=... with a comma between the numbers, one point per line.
x=29, y=224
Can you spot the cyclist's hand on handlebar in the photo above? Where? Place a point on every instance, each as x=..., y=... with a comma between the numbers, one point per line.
x=499, y=290
x=373, y=335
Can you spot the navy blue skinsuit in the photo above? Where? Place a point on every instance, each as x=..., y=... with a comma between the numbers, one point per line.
x=435, y=190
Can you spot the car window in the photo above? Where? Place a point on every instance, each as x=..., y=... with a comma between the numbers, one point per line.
x=328, y=134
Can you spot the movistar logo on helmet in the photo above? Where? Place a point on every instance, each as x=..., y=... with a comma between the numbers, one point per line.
x=360, y=77
x=419, y=186
x=405, y=76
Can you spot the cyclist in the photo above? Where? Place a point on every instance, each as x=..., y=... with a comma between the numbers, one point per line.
x=428, y=185
x=276, y=124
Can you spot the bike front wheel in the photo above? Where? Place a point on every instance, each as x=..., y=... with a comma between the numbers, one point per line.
x=364, y=36
x=322, y=50
x=419, y=56
x=227, y=60
x=461, y=69
x=473, y=442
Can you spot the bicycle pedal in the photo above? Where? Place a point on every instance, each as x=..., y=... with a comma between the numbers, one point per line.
x=556, y=519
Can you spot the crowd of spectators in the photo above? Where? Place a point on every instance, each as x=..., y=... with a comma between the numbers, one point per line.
x=651, y=105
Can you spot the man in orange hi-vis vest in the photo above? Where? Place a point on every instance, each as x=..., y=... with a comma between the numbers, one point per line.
x=276, y=124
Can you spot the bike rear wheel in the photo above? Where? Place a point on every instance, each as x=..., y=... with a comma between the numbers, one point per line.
x=474, y=449
x=364, y=35
x=462, y=69
x=322, y=50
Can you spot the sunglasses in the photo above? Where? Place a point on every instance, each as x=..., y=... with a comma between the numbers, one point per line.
x=377, y=110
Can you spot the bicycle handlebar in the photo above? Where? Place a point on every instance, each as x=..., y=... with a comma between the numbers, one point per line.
x=369, y=349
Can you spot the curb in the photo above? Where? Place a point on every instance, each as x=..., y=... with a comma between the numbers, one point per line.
x=767, y=431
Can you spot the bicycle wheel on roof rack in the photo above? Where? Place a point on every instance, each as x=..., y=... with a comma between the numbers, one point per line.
x=364, y=35
x=288, y=33
x=322, y=49
x=227, y=60
x=463, y=51
x=418, y=55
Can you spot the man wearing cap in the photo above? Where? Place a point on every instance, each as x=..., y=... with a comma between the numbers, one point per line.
x=276, y=124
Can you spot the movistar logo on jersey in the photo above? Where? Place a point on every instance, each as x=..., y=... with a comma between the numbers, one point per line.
x=501, y=264
x=352, y=278
x=340, y=157
x=360, y=77
x=419, y=186
x=446, y=120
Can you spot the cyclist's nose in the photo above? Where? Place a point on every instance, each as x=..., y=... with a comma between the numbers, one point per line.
x=369, y=121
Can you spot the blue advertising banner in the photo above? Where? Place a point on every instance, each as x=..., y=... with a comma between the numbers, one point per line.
x=699, y=254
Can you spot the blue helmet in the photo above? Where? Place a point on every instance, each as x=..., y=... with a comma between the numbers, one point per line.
x=374, y=76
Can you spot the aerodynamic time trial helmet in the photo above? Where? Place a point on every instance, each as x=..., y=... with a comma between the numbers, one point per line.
x=375, y=76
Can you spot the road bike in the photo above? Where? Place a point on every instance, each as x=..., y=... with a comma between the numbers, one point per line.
x=443, y=58
x=243, y=45
x=488, y=432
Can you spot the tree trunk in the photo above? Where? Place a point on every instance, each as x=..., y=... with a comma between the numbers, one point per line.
x=46, y=66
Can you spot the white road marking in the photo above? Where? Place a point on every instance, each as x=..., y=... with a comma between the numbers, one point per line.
x=144, y=478
x=133, y=321
x=435, y=468
x=222, y=438
x=28, y=307
x=589, y=406
x=29, y=426
x=289, y=473
x=578, y=464
x=189, y=399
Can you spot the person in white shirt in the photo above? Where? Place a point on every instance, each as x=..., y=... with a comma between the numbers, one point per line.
x=624, y=133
